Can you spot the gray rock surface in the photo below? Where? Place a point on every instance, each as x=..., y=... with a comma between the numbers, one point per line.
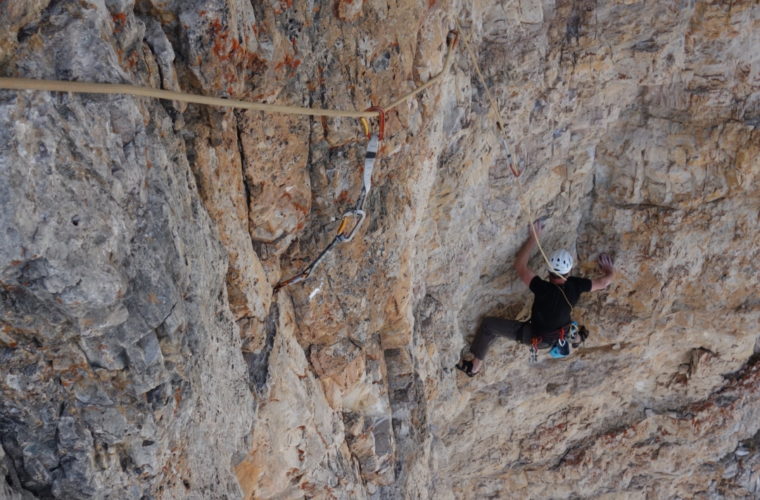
x=143, y=353
x=116, y=331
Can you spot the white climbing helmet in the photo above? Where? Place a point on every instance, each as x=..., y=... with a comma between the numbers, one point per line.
x=561, y=262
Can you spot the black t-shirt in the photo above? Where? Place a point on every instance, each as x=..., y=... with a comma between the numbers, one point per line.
x=550, y=309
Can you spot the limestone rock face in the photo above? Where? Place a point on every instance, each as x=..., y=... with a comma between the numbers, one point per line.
x=145, y=354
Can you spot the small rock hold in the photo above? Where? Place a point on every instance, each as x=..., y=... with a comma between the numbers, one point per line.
x=381, y=62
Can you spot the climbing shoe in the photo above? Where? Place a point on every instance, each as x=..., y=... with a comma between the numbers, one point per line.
x=466, y=366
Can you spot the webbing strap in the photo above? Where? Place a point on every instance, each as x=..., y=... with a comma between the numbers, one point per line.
x=369, y=165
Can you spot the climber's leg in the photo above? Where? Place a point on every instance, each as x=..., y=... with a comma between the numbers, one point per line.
x=489, y=329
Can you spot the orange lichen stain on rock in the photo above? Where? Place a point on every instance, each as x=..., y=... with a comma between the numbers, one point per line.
x=617, y=434
x=248, y=474
x=253, y=63
x=560, y=170
x=301, y=208
x=74, y=373
x=220, y=48
x=288, y=62
x=342, y=197
x=229, y=48
x=119, y=19
x=309, y=488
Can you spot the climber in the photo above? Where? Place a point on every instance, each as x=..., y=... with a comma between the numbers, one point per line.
x=552, y=304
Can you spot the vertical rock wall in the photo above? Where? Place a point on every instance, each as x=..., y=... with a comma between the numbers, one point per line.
x=144, y=354
x=121, y=359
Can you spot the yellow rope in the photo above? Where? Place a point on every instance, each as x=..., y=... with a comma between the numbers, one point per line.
x=446, y=66
x=499, y=125
x=170, y=95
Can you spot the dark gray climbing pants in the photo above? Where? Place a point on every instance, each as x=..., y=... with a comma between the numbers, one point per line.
x=491, y=328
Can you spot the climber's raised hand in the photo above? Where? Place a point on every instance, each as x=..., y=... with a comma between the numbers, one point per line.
x=606, y=263
x=536, y=228
x=608, y=266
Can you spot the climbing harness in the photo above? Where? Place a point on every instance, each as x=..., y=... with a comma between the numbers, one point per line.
x=357, y=213
x=576, y=336
x=560, y=347
x=571, y=335
x=578, y=339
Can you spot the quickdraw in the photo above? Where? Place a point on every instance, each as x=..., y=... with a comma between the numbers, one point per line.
x=534, y=350
x=346, y=231
x=504, y=144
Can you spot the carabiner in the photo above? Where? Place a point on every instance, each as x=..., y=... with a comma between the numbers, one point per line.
x=380, y=121
x=342, y=235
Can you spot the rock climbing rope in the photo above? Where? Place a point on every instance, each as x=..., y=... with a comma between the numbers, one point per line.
x=502, y=138
x=494, y=106
x=170, y=95
x=357, y=213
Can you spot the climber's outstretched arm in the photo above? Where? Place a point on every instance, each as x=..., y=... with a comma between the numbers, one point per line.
x=521, y=259
x=607, y=265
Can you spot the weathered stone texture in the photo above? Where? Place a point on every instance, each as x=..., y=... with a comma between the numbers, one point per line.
x=114, y=315
x=143, y=353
